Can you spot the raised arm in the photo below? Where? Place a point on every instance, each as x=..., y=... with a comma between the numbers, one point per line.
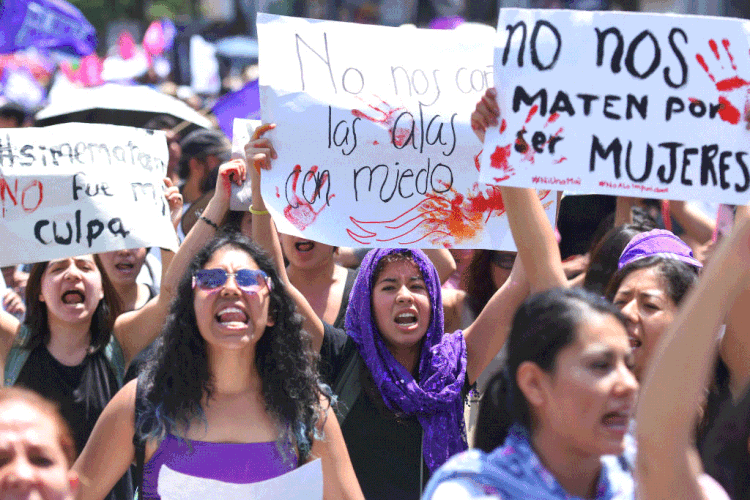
x=109, y=450
x=487, y=334
x=339, y=480
x=259, y=153
x=443, y=260
x=532, y=233
x=692, y=220
x=735, y=346
x=137, y=329
x=675, y=386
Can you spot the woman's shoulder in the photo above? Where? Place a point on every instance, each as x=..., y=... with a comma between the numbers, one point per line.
x=464, y=476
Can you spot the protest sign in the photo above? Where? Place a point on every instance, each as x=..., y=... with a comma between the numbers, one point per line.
x=78, y=188
x=373, y=138
x=627, y=104
x=303, y=483
x=242, y=130
x=48, y=24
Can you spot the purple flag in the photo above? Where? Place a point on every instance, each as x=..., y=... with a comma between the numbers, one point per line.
x=244, y=103
x=50, y=24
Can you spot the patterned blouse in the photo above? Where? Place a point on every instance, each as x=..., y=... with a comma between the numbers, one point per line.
x=514, y=472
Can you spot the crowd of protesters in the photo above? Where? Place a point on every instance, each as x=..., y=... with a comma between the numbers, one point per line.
x=608, y=358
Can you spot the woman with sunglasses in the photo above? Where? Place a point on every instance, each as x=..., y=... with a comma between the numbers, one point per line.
x=231, y=396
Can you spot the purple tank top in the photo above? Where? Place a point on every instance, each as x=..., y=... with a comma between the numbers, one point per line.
x=186, y=463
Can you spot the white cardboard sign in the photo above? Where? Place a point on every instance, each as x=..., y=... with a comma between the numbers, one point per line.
x=373, y=137
x=78, y=188
x=646, y=105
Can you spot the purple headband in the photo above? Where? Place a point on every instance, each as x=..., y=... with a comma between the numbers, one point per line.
x=657, y=242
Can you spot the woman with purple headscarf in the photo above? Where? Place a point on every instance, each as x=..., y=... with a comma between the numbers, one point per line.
x=400, y=379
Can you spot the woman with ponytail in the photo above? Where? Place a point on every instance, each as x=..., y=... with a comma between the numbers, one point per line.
x=561, y=404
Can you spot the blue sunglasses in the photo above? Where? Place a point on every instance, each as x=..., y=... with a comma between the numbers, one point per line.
x=249, y=280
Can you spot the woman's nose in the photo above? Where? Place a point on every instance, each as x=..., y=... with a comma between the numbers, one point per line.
x=630, y=311
x=627, y=383
x=230, y=287
x=404, y=294
x=17, y=473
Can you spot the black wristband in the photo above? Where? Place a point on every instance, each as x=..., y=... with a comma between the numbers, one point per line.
x=209, y=222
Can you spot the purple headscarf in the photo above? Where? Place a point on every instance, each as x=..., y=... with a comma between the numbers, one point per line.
x=435, y=400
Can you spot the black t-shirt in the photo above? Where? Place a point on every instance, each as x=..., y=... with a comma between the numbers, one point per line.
x=385, y=449
x=81, y=392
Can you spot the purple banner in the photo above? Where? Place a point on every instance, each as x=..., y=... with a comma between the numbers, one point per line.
x=51, y=24
x=244, y=103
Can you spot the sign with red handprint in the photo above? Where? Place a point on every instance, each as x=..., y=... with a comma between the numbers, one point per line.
x=373, y=135
x=650, y=105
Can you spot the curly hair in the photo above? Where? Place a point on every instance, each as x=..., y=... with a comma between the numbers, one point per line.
x=177, y=377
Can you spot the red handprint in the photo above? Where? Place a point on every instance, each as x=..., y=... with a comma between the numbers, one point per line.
x=499, y=158
x=315, y=189
x=727, y=111
x=383, y=113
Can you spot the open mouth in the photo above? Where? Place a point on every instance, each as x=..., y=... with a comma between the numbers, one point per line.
x=406, y=319
x=73, y=297
x=125, y=267
x=304, y=246
x=617, y=421
x=232, y=317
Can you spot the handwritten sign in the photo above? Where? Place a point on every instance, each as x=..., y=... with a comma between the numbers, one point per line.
x=627, y=104
x=79, y=188
x=373, y=139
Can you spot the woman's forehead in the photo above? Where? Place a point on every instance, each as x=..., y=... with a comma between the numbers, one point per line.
x=86, y=257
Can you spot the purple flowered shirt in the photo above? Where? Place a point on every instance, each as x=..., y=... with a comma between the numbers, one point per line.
x=514, y=472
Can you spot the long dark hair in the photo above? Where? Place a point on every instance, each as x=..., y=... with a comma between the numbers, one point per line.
x=36, y=320
x=544, y=325
x=178, y=377
x=479, y=282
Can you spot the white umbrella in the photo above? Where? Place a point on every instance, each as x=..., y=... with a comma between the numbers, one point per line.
x=116, y=104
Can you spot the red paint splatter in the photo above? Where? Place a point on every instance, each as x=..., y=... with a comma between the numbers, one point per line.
x=714, y=48
x=728, y=112
x=552, y=118
x=503, y=126
x=499, y=160
x=400, y=136
x=703, y=64
x=375, y=143
x=532, y=112
x=562, y=159
x=477, y=160
x=694, y=100
x=725, y=43
x=730, y=84
x=278, y=194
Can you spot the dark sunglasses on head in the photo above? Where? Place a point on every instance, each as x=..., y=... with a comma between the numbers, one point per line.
x=504, y=260
x=249, y=280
